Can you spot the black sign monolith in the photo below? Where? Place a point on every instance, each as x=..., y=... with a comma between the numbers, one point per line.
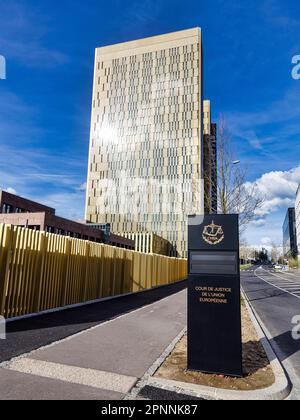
x=214, y=299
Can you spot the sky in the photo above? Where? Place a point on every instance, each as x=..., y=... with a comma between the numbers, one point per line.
x=45, y=102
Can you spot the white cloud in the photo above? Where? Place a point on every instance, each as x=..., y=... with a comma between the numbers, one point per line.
x=69, y=205
x=266, y=241
x=279, y=190
x=258, y=222
x=271, y=206
x=11, y=191
x=82, y=187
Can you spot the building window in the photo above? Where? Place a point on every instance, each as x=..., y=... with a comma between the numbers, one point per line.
x=34, y=227
x=7, y=208
x=50, y=229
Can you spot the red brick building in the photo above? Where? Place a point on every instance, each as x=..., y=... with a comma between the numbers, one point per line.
x=18, y=211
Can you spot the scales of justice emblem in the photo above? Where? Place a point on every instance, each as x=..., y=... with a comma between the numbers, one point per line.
x=213, y=234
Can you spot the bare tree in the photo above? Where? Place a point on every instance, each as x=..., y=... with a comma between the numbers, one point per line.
x=247, y=253
x=277, y=253
x=235, y=194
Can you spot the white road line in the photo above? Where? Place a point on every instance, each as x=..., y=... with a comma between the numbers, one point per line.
x=271, y=284
x=279, y=283
x=75, y=375
x=282, y=282
x=296, y=275
x=280, y=277
x=292, y=286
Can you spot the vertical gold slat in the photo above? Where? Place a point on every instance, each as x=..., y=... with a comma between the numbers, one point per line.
x=87, y=259
x=24, y=276
x=40, y=271
x=5, y=260
x=20, y=232
x=100, y=272
x=66, y=272
x=40, y=260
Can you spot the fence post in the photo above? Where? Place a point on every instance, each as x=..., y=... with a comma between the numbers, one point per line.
x=5, y=258
x=40, y=275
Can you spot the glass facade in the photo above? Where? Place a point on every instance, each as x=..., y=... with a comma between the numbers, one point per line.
x=289, y=234
x=297, y=211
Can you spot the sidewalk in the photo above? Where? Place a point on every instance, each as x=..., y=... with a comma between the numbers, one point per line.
x=103, y=362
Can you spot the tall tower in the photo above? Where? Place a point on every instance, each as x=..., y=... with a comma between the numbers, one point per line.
x=210, y=163
x=145, y=169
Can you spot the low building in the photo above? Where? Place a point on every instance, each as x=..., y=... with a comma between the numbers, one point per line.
x=290, y=249
x=297, y=216
x=110, y=238
x=150, y=243
x=18, y=211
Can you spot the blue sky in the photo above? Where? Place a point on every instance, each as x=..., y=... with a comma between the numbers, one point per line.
x=45, y=101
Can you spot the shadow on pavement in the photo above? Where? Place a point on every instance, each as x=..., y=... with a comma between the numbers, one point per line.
x=286, y=345
x=273, y=294
x=30, y=334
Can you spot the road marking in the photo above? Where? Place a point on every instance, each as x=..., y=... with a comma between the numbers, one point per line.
x=280, y=277
x=296, y=275
x=274, y=285
x=282, y=283
x=286, y=285
x=75, y=375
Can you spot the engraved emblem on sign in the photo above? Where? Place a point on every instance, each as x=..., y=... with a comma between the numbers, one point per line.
x=213, y=234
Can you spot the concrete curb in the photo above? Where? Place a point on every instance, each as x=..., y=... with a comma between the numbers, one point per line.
x=280, y=390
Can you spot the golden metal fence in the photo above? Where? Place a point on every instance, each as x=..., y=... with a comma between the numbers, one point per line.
x=41, y=271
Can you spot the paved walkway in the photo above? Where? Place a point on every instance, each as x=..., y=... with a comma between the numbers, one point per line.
x=103, y=362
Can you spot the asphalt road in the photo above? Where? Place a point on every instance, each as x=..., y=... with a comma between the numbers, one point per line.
x=276, y=299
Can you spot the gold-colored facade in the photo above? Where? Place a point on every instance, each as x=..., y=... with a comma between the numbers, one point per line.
x=206, y=117
x=149, y=243
x=146, y=162
x=210, y=165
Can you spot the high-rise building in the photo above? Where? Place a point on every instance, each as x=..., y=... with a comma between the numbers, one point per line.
x=210, y=161
x=146, y=145
x=297, y=211
x=289, y=234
